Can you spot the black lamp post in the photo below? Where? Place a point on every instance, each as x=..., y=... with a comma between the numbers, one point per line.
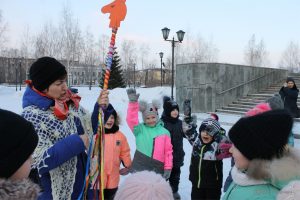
x=20, y=71
x=180, y=35
x=161, y=55
x=16, y=66
x=133, y=75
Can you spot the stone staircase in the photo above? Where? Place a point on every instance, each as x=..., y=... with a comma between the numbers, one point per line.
x=242, y=105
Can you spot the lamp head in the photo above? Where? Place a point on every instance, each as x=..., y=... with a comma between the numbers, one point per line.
x=165, y=32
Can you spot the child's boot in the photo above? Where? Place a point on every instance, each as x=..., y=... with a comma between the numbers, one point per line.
x=176, y=196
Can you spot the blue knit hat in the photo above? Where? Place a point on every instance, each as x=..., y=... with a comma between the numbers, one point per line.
x=108, y=112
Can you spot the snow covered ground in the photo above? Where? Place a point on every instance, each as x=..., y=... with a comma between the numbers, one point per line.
x=12, y=100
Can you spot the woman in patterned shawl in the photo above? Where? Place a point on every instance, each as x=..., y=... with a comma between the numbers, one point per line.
x=63, y=127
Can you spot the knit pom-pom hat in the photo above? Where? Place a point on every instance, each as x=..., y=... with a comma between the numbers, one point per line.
x=144, y=185
x=259, y=108
x=275, y=102
x=211, y=126
x=262, y=136
x=149, y=108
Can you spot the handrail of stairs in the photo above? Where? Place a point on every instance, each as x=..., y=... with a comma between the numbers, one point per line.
x=242, y=84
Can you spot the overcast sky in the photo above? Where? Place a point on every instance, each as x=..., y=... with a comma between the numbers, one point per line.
x=229, y=23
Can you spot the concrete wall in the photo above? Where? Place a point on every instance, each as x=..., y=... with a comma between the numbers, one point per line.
x=213, y=85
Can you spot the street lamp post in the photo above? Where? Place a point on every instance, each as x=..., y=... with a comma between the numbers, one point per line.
x=16, y=66
x=133, y=75
x=20, y=75
x=180, y=35
x=161, y=55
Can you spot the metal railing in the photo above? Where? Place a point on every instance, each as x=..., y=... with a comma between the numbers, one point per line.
x=245, y=83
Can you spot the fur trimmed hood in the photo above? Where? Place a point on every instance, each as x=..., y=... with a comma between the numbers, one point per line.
x=281, y=174
x=18, y=189
x=277, y=171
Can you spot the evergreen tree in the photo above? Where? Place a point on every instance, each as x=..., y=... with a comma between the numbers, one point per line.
x=116, y=74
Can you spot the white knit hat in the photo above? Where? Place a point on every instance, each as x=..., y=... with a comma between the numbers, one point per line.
x=144, y=185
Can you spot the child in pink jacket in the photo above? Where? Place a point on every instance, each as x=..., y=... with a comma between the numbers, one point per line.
x=153, y=142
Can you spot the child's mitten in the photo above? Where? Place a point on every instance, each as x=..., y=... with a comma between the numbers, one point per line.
x=223, y=150
x=187, y=108
x=124, y=171
x=167, y=174
x=132, y=95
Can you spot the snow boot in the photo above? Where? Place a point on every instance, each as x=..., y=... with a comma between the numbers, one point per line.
x=176, y=196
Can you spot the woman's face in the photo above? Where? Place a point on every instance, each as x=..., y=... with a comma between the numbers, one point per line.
x=110, y=122
x=241, y=162
x=290, y=84
x=57, y=90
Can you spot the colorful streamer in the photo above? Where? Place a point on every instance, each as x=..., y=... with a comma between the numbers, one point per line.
x=94, y=178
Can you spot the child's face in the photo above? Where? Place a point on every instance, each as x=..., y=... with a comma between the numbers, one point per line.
x=174, y=113
x=110, y=122
x=206, y=138
x=23, y=171
x=241, y=162
x=151, y=120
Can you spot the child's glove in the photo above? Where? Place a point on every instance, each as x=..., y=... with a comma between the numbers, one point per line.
x=187, y=108
x=132, y=95
x=167, y=174
x=189, y=123
x=124, y=171
x=223, y=150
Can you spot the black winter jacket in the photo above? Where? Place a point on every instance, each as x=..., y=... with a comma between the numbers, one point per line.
x=289, y=97
x=205, y=170
x=174, y=126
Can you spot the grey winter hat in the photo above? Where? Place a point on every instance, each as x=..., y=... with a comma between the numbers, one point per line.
x=275, y=102
x=149, y=108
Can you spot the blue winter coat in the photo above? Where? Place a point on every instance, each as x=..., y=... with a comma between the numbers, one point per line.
x=67, y=145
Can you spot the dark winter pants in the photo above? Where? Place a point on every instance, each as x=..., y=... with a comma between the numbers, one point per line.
x=174, y=178
x=109, y=194
x=205, y=193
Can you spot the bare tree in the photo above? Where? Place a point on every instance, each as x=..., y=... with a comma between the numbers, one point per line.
x=291, y=57
x=128, y=55
x=71, y=35
x=26, y=48
x=3, y=30
x=196, y=50
x=144, y=52
x=48, y=42
x=256, y=53
x=89, y=56
x=103, y=45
